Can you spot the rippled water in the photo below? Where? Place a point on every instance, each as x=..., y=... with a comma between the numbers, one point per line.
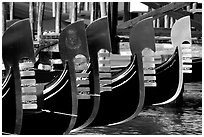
x=160, y=120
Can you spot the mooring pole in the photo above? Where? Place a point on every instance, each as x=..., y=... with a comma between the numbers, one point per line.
x=74, y=12
x=94, y=6
x=64, y=7
x=40, y=18
x=113, y=19
x=126, y=16
x=58, y=17
x=31, y=16
x=103, y=13
x=97, y=10
x=3, y=18
x=103, y=9
x=166, y=21
x=86, y=6
x=53, y=9
x=11, y=10
x=92, y=11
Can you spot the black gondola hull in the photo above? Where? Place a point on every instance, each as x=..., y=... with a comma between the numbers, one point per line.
x=120, y=103
x=167, y=80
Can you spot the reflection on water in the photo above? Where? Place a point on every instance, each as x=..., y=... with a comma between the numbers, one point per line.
x=160, y=120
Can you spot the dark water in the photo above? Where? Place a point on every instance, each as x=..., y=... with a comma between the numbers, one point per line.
x=160, y=120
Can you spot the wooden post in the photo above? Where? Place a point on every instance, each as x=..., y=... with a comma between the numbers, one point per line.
x=103, y=13
x=158, y=23
x=188, y=8
x=126, y=16
x=86, y=6
x=74, y=12
x=53, y=9
x=31, y=16
x=166, y=21
x=103, y=9
x=3, y=18
x=154, y=23
x=171, y=22
x=11, y=10
x=113, y=26
x=92, y=11
x=194, y=6
x=69, y=10
x=58, y=17
x=64, y=7
x=40, y=18
x=79, y=7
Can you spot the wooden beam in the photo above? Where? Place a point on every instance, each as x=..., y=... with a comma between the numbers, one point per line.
x=158, y=32
x=176, y=15
x=155, y=13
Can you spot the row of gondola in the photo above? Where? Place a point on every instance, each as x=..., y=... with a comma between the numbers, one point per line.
x=54, y=102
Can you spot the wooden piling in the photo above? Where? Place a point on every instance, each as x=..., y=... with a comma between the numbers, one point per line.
x=172, y=20
x=126, y=16
x=113, y=26
x=64, y=7
x=188, y=8
x=3, y=18
x=86, y=6
x=166, y=21
x=92, y=11
x=158, y=23
x=79, y=7
x=31, y=16
x=11, y=4
x=103, y=9
x=58, y=17
x=194, y=6
x=53, y=9
x=96, y=8
x=73, y=12
x=40, y=18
